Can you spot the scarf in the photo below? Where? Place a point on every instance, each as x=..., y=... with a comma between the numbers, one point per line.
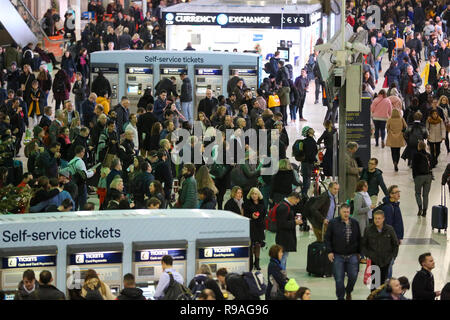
x=239, y=203
x=82, y=61
x=368, y=202
x=434, y=121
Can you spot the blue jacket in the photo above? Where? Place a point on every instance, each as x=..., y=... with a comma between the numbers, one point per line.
x=158, y=109
x=87, y=108
x=383, y=41
x=393, y=216
x=56, y=200
x=276, y=271
x=393, y=75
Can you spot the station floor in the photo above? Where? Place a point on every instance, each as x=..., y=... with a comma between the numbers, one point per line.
x=419, y=237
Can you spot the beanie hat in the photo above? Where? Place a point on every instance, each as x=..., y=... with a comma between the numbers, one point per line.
x=291, y=286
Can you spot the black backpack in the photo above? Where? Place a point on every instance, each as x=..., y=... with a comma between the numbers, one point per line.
x=268, y=67
x=200, y=285
x=60, y=87
x=298, y=150
x=176, y=291
x=93, y=294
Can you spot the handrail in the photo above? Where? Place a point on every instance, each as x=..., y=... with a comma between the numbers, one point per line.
x=38, y=23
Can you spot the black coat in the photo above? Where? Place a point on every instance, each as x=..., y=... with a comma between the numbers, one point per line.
x=208, y=106
x=380, y=247
x=423, y=286
x=209, y=284
x=274, y=270
x=335, y=237
x=163, y=173
x=232, y=206
x=99, y=85
x=131, y=294
x=282, y=184
x=286, y=236
x=144, y=125
x=48, y=292
x=256, y=225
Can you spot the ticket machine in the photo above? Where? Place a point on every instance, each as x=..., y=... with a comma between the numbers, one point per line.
x=111, y=72
x=172, y=71
x=147, y=262
x=207, y=78
x=105, y=259
x=248, y=74
x=138, y=79
x=232, y=254
x=16, y=260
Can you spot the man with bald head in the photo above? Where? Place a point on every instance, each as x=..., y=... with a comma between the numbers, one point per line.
x=209, y=104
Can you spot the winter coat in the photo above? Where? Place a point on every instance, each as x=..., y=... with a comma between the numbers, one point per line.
x=423, y=286
x=21, y=294
x=209, y=284
x=188, y=194
x=69, y=66
x=48, y=292
x=123, y=115
x=421, y=163
x=282, y=183
x=62, y=76
x=275, y=271
x=395, y=127
x=397, y=103
x=286, y=235
x=257, y=226
x=186, y=90
x=283, y=94
x=232, y=206
x=404, y=83
x=79, y=89
x=415, y=133
x=426, y=72
x=436, y=132
x=100, y=85
x=393, y=216
x=335, y=237
x=393, y=75
x=381, y=108
x=319, y=210
x=380, y=247
x=352, y=175
x=131, y=294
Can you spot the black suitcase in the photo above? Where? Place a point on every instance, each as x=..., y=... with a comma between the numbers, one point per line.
x=318, y=263
x=439, y=214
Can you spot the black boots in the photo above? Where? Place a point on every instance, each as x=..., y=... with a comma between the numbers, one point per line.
x=419, y=213
x=424, y=213
x=256, y=265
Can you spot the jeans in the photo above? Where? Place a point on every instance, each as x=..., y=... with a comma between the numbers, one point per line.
x=395, y=152
x=58, y=103
x=422, y=185
x=380, y=128
x=377, y=69
x=78, y=107
x=390, y=269
x=293, y=111
x=341, y=265
x=283, y=261
x=187, y=111
x=306, y=175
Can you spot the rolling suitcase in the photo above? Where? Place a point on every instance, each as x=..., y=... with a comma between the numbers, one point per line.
x=318, y=263
x=439, y=214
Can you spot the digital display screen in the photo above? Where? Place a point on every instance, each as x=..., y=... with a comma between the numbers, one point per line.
x=201, y=90
x=146, y=271
x=133, y=89
x=9, y=296
x=284, y=53
x=201, y=80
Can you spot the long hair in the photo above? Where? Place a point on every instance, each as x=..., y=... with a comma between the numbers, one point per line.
x=204, y=180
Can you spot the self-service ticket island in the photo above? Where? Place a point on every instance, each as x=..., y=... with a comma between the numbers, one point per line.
x=105, y=259
x=111, y=73
x=16, y=260
x=139, y=78
x=231, y=253
x=147, y=267
x=249, y=74
x=204, y=68
x=115, y=243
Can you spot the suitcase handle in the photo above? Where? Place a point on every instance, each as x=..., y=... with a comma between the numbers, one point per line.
x=444, y=202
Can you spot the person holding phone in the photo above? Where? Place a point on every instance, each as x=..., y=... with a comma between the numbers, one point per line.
x=255, y=210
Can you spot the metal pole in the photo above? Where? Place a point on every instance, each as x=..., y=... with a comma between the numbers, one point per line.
x=335, y=156
x=342, y=145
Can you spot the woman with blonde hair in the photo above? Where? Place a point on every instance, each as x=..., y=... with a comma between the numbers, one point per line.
x=255, y=210
x=283, y=181
x=445, y=106
x=218, y=118
x=234, y=204
x=94, y=288
x=204, y=280
x=395, y=127
x=204, y=180
x=436, y=134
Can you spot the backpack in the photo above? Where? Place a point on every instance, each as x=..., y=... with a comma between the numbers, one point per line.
x=268, y=68
x=93, y=294
x=271, y=219
x=255, y=281
x=60, y=87
x=290, y=71
x=176, y=291
x=306, y=212
x=199, y=286
x=298, y=151
x=79, y=177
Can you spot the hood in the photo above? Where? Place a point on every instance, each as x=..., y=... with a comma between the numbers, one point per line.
x=131, y=292
x=22, y=289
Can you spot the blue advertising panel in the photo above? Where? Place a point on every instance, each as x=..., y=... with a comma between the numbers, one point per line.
x=105, y=70
x=208, y=72
x=157, y=254
x=34, y=261
x=223, y=252
x=95, y=258
x=139, y=70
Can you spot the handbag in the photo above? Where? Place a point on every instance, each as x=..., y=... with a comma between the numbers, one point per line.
x=274, y=101
x=385, y=83
x=368, y=273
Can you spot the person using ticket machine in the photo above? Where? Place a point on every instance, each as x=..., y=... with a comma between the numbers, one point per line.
x=27, y=286
x=164, y=280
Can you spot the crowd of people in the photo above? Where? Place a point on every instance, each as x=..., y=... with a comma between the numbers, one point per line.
x=83, y=147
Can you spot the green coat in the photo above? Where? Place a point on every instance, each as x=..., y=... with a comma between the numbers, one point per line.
x=12, y=55
x=283, y=94
x=188, y=194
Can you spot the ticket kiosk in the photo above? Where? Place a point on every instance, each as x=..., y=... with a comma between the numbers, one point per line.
x=105, y=259
x=207, y=78
x=173, y=71
x=232, y=254
x=111, y=72
x=147, y=267
x=138, y=79
x=248, y=74
x=16, y=260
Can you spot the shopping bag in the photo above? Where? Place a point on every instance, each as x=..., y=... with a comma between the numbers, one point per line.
x=274, y=101
x=368, y=272
x=385, y=83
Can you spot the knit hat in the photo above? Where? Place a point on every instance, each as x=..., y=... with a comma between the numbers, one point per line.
x=37, y=130
x=65, y=173
x=291, y=286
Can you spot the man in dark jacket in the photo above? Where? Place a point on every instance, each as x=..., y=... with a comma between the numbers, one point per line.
x=310, y=149
x=423, y=282
x=443, y=55
x=123, y=114
x=414, y=133
x=186, y=98
x=286, y=223
x=374, y=178
x=274, y=63
x=424, y=96
x=46, y=291
x=141, y=185
x=209, y=104
x=168, y=85
x=301, y=83
x=322, y=210
x=27, y=286
x=100, y=84
x=162, y=171
x=144, y=125
x=160, y=105
x=87, y=110
x=419, y=17
x=48, y=162
x=343, y=242
x=130, y=292
x=380, y=244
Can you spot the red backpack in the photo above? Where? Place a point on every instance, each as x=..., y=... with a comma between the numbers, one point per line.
x=271, y=219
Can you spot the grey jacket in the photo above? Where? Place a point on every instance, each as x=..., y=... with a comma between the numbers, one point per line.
x=361, y=210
